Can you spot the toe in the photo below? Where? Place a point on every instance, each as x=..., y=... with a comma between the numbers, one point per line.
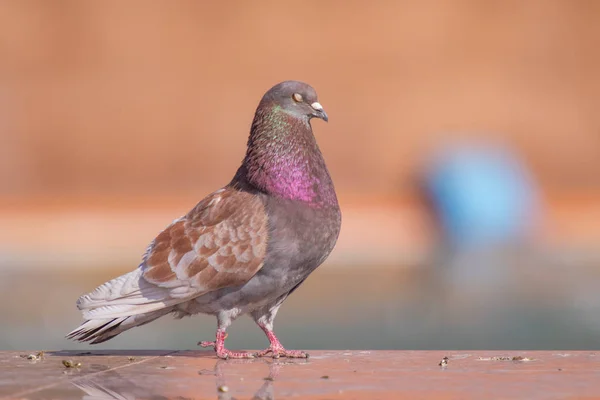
x=226, y=354
x=263, y=352
x=281, y=352
x=295, y=354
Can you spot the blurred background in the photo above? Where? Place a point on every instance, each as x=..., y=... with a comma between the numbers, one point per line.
x=464, y=142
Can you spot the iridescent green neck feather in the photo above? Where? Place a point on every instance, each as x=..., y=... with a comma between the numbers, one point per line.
x=284, y=160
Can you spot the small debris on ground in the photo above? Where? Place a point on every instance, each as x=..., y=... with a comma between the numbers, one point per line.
x=444, y=362
x=268, y=378
x=71, y=364
x=34, y=357
x=206, y=372
x=131, y=358
x=223, y=389
x=325, y=377
x=521, y=358
x=515, y=358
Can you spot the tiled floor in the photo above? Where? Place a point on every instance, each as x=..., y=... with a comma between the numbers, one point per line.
x=325, y=375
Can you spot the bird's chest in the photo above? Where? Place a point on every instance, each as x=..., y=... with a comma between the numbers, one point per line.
x=300, y=239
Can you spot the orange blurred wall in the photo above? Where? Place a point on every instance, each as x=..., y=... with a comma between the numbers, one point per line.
x=155, y=98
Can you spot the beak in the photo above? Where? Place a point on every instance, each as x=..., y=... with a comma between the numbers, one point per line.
x=319, y=112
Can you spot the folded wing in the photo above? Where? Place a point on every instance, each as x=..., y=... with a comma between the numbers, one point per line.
x=220, y=243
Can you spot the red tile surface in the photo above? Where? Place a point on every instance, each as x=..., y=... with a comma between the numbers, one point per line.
x=325, y=375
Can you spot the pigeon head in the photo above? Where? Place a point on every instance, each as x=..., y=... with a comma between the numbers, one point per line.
x=283, y=158
x=295, y=98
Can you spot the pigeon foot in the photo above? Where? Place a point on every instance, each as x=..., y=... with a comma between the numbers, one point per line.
x=279, y=351
x=222, y=352
x=276, y=348
x=225, y=354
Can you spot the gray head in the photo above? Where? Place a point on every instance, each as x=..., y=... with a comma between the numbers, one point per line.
x=296, y=98
x=283, y=158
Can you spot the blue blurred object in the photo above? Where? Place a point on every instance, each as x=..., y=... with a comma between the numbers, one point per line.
x=483, y=195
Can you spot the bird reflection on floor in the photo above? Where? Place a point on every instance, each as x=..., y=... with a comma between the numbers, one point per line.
x=113, y=385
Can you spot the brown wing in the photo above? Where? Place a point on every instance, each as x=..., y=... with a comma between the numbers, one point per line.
x=222, y=242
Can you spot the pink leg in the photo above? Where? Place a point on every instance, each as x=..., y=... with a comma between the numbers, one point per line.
x=277, y=349
x=222, y=352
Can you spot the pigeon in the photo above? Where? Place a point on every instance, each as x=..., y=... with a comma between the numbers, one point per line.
x=242, y=249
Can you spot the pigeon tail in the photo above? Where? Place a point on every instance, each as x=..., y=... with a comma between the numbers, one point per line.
x=100, y=330
x=121, y=304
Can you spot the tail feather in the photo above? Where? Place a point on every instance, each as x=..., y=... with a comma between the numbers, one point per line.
x=100, y=330
x=121, y=304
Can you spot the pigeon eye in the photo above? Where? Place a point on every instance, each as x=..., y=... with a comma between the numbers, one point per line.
x=297, y=97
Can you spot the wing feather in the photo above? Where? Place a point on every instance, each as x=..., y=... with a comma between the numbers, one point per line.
x=220, y=243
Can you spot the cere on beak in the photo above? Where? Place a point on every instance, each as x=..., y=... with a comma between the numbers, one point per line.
x=320, y=113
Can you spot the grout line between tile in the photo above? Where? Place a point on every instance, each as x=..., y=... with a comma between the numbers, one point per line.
x=50, y=385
